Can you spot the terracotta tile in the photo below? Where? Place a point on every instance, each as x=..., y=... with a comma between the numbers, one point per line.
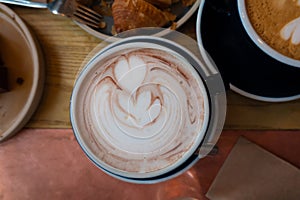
x=49, y=164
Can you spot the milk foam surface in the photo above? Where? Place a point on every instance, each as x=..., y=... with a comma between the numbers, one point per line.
x=143, y=110
x=277, y=23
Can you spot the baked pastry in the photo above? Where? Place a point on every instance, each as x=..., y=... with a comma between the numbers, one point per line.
x=131, y=14
x=160, y=3
x=188, y=2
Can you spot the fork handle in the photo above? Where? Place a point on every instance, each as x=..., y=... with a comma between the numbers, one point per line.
x=26, y=3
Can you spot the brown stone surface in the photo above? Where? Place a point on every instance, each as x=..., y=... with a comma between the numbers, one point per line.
x=49, y=164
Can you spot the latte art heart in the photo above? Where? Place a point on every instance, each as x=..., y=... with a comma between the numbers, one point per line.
x=142, y=110
x=278, y=24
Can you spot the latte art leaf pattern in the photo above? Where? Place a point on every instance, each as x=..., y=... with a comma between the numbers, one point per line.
x=292, y=31
x=143, y=110
x=277, y=23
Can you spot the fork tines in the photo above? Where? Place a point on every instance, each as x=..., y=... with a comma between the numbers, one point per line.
x=87, y=16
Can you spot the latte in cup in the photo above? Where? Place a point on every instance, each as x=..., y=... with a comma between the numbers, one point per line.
x=277, y=22
x=139, y=110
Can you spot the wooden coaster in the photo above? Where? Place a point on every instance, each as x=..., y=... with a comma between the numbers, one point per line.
x=23, y=61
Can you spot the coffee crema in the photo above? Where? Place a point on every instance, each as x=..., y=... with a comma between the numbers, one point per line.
x=141, y=110
x=277, y=22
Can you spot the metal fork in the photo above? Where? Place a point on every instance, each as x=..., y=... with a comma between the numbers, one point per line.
x=69, y=8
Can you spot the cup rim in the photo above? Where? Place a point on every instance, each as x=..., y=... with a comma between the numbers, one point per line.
x=259, y=41
x=90, y=65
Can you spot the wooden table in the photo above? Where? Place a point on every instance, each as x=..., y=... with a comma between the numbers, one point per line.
x=66, y=45
x=44, y=160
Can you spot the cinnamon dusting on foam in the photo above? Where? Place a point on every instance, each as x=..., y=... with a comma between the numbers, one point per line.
x=139, y=103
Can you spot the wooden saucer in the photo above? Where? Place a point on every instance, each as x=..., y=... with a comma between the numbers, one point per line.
x=21, y=56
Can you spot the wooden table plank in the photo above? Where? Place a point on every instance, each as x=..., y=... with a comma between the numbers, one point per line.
x=66, y=45
x=248, y=114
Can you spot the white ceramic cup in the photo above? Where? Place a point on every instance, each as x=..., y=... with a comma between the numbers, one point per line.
x=259, y=41
x=126, y=148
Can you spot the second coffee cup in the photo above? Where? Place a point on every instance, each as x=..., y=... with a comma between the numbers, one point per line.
x=274, y=26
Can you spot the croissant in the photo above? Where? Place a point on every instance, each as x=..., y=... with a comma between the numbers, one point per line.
x=130, y=14
x=160, y=3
